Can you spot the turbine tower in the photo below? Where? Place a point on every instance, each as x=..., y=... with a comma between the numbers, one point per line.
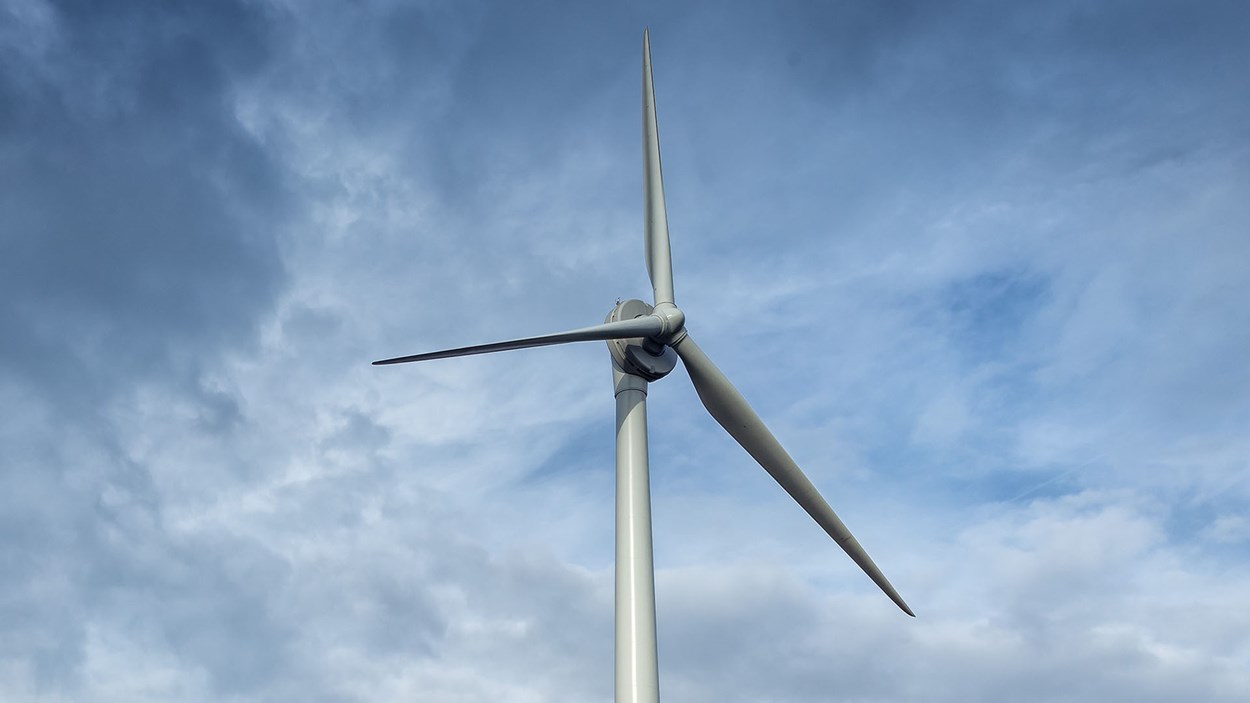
x=645, y=342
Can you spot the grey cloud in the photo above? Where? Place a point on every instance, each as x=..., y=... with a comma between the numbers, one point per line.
x=139, y=224
x=1042, y=605
x=140, y=220
x=208, y=494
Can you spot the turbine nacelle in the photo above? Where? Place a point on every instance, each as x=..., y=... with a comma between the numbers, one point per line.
x=648, y=357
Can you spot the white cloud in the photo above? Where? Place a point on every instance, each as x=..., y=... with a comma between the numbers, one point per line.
x=991, y=305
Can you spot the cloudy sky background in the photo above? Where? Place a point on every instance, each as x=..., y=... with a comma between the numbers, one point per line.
x=983, y=269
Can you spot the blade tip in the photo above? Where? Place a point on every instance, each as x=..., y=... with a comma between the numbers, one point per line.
x=902, y=604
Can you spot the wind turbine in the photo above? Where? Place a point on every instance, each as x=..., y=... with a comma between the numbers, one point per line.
x=645, y=342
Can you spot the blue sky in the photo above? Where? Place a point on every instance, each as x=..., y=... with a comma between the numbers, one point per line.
x=982, y=267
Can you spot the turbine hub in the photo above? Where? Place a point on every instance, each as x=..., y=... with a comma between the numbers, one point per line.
x=674, y=322
x=646, y=357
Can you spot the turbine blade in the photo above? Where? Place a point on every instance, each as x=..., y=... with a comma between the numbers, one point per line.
x=731, y=410
x=646, y=326
x=655, y=217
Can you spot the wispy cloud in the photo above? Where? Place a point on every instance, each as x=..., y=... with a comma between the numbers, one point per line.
x=980, y=268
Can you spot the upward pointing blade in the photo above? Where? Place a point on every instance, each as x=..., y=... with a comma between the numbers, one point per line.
x=733, y=413
x=655, y=217
x=646, y=326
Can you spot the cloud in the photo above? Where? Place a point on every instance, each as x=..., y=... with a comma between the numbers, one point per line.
x=140, y=218
x=979, y=269
x=140, y=231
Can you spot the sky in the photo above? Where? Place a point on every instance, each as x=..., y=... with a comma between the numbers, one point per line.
x=982, y=267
